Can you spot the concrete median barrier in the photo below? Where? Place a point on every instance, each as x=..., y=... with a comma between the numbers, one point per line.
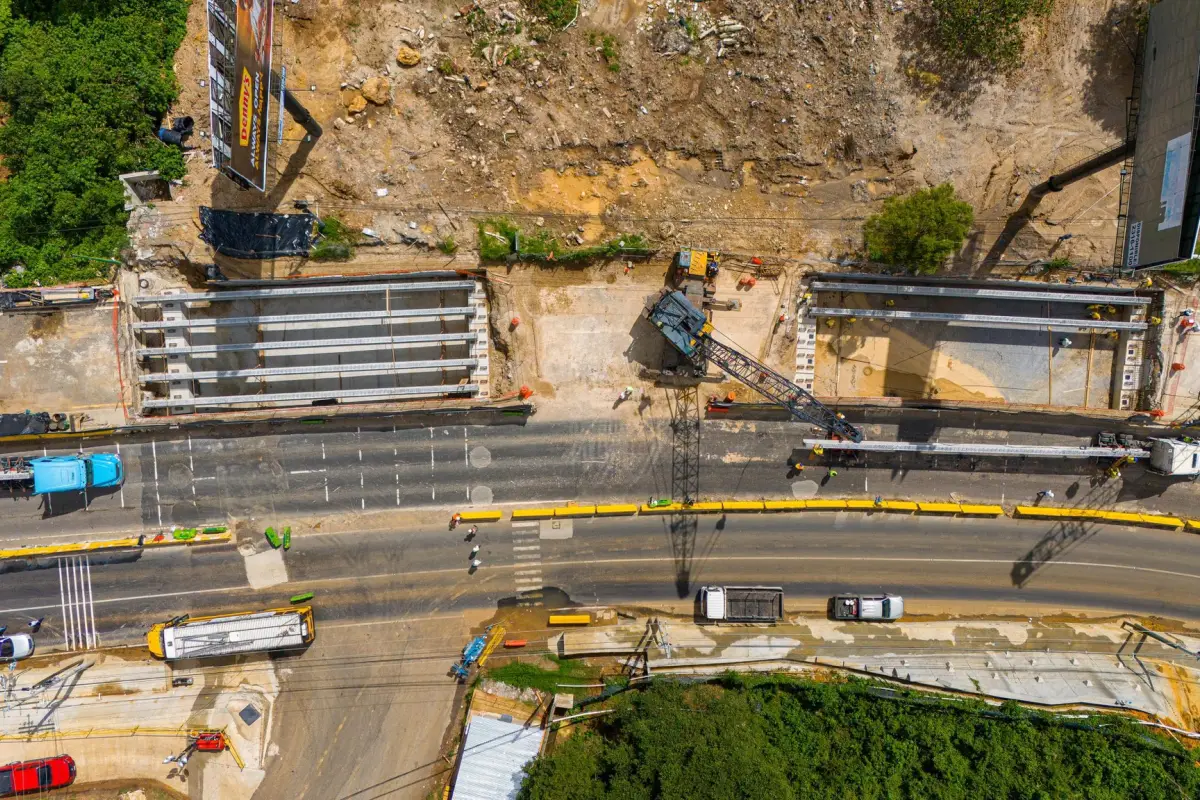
x=1116, y=517
x=127, y=543
x=494, y=515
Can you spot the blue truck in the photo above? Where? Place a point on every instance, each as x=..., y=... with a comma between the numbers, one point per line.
x=49, y=474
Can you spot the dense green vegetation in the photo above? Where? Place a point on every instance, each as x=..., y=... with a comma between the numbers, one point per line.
x=84, y=84
x=336, y=241
x=527, y=676
x=777, y=738
x=985, y=33
x=920, y=230
x=500, y=239
x=1191, y=267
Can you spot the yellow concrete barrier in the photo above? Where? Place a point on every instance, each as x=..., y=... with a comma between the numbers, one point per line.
x=532, y=513
x=742, y=505
x=706, y=508
x=861, y=505
x=982, y=510
x=939, y=508
x=617, y=510
x=899, y=505
x=481, y=516
x=575, y=511
x=71, y=548
x=673, y=508
x=784, y=505
x=1121, y=516
x=825, y=505
x=570, y=619
x=1193, y=524
x=1039, y=511
x=1162, y=521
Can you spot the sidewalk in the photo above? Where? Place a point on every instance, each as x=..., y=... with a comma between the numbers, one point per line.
x=1045, y=663
x=119, y=717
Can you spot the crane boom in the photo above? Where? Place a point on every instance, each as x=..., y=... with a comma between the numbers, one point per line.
x=686, y=327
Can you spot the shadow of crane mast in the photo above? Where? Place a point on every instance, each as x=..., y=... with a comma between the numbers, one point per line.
x=685, y=481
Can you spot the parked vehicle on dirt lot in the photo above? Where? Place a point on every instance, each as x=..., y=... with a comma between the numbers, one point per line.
x=16, y=647
x=28, y=777
x=882, y=607
x=742, y=603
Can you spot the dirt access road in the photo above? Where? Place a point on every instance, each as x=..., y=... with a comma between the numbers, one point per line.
x=778, y=141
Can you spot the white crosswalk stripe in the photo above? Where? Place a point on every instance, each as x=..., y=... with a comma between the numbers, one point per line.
x=527, y=552
x=77, y=601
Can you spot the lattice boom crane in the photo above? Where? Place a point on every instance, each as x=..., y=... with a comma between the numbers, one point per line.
x=690, y=332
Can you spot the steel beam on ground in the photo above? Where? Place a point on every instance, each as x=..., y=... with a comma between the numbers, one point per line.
x=368, y=343
x=381, y=393
x=304, y=291
x=312, y=371
x=981, y=320
x=969, y=449
x=355, y=317
x=980, y=294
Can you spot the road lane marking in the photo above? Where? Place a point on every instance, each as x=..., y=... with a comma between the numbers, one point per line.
x=400, y=620
x=525, y=524
x=62, y=599
x=76, y=603
x=157, y=498
x=122, y=482
x=530, y=547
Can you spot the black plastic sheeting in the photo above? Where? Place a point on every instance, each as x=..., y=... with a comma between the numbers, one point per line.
x=241, y=234
x=23, y=424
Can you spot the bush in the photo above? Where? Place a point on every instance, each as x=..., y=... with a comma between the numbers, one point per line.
x=500, y=239
x=85, y=84
x=920, y=230
x=988, y=32
x=336, y=241
x=783, y=738
x=1189, y=267
x=557, y=13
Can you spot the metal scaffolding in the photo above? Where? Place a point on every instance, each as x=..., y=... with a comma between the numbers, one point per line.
x=314, y=371
x=981, y=294
x=981, y=320
x=368, y=343
x=353, y=318
x=382, y=393
x=968, y=449
x=304, y=291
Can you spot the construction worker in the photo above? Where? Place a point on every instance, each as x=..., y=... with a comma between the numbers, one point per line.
x=889, y=302
x=1048, y=494
x=1095, y=315
x=832, y=473
x=454, y=520
x=818, y=450
x=1064, y=342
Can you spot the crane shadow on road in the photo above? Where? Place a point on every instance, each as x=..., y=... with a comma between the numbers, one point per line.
x=1063, y=535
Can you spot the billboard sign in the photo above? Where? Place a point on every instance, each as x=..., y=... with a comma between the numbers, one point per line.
x=239, y=46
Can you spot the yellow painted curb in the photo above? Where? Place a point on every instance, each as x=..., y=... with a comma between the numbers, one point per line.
x=939, y=508
x=617, y=510
x=1162, y=521
x=532, y=513
x=825, y=505
x=899, y=505
x=1121, y=516
x=862, y=505
x=742, y=505
x=1193, y=524
x=784, y=505
x=481, y=516
x=1038, y=511
x=982, y=510
x=575, y=511
x=705, y=508
x=674, y=508
x=110, y=544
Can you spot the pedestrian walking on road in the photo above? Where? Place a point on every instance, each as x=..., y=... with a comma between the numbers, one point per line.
x=3, y=628
x=832, y=473
x=474, y=551
x=1046, y=493
x=476, y=564
x=35, y=625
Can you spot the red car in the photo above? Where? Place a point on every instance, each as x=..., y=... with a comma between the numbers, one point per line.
x=22, y=777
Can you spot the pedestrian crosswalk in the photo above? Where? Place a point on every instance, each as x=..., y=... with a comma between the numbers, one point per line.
x=78, y=611
x=527, y=553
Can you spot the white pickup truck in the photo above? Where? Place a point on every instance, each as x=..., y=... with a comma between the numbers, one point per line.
x=881, y=608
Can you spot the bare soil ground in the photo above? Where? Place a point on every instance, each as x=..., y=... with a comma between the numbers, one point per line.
x=778, y=142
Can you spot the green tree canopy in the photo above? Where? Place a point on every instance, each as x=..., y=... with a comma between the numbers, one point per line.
x=780, y=738
x=920, y=230
x=986, y=32
x=85, y=84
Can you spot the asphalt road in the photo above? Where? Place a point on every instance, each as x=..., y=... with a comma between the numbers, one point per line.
x=423, y=572
x=181, y=479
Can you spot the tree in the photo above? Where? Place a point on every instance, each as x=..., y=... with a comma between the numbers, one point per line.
x=985, y=32
x=920, y=230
